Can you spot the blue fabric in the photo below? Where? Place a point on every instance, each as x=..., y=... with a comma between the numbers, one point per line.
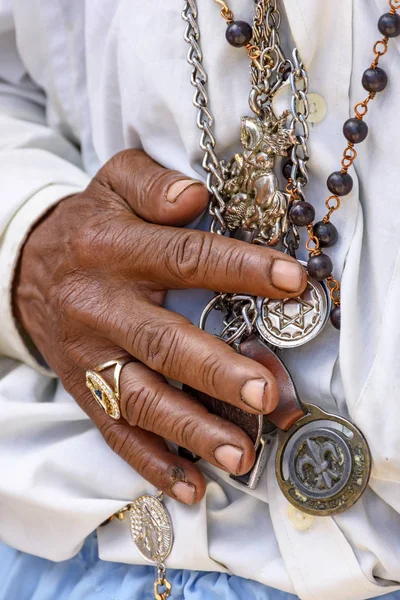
x=85, y=577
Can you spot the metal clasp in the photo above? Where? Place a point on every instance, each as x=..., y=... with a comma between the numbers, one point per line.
x=252, y=478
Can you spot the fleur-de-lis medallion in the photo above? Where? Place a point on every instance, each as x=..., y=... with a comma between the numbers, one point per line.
x=323, y=463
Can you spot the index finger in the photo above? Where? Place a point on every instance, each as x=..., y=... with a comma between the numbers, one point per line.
x=183, y=258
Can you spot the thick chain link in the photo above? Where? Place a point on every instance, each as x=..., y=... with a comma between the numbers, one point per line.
x=300, y=155
x=205, y=120
x=268, y=63
x=300, y=109
x=161, y=583
x=268, y=69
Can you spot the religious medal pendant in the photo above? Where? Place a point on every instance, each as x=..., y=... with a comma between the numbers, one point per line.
x=253, y=200
x=292, y=322
x=323, y=461
x=152, y=533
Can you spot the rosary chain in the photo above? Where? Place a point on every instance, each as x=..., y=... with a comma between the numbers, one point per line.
x=332, y=203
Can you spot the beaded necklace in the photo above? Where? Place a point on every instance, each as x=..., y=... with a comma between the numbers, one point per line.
x=247, y=204
x=324, y=234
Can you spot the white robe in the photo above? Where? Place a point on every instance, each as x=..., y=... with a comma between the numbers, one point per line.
x=112, y=74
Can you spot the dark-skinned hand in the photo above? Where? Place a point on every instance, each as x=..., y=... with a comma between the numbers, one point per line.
x=91, y=283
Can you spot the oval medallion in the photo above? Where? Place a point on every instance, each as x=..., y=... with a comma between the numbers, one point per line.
x=322, y=469
x=151, y=528
x=292, y=322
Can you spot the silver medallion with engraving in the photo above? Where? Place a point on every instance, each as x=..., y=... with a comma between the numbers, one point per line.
x=292, y=322
x=323, y=463
x=151, y=528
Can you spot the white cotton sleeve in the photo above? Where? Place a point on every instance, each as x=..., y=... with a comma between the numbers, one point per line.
x=38, y=167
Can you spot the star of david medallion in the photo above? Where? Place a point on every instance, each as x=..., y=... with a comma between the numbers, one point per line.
x=292, y=322
x=151, y=528
x=323, y=463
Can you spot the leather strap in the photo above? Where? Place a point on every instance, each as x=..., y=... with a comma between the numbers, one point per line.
x=289, y=409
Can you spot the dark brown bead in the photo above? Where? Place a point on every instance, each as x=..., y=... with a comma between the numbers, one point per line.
x=340, y=183
x=239, y=33
x=287, y=168
x=374, y=80
x=389, y=25
x=335, y=317
x=302, y=214
x=326, y=233
x=355, y=130
x=320, y=266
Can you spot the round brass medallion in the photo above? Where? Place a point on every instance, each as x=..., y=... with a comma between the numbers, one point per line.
x=322, y=469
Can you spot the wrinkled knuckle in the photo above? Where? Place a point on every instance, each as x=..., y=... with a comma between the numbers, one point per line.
x=143, y=464
x=158, y=345
x=212, y=373
x=141, y=404
x=234, y=261
x=118, y=167
x=184, y=430
x=109, y=172
x=189, y=253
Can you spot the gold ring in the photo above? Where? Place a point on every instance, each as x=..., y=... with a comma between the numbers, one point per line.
x=103, y=393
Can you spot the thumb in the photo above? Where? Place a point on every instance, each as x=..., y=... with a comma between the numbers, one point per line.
x=154, y=193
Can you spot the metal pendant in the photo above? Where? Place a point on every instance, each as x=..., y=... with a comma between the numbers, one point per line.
x=323, y=463
x=151, y=528
x=292, y=322
x=251, y=190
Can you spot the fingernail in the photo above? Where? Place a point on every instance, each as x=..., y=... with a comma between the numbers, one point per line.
x=229, y=457
x=179, y=187
x=185, y=492
x=286, y=275
x=254, y=393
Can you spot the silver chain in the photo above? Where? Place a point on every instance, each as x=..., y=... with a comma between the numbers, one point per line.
x=269, y=69
x=267, y=76
x=205, y=120
x=300, y=110
x=267, y=72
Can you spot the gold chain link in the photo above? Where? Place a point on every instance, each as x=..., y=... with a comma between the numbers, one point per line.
x=334, y=290
x=226, y=12
x=162, y=583
x=312, y=239
x=349, y=156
